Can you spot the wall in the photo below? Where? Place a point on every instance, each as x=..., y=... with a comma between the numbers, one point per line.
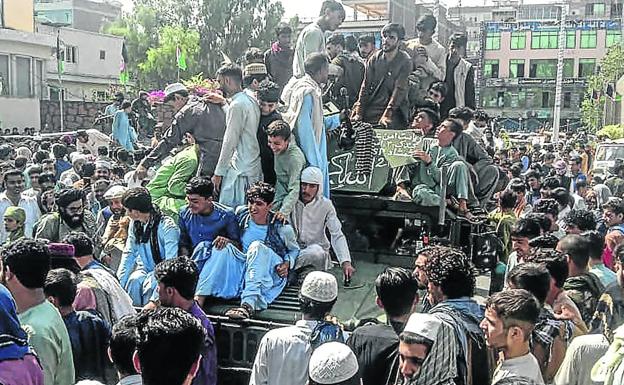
x=81, y=115
x=19, y=113
x=19, y=15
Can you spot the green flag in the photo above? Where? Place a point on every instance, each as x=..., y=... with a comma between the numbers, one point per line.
x=181, y=58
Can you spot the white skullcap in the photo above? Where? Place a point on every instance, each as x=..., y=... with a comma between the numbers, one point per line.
x=76, y=156
x=115, y=192
x=173, y=88
x=320, y=286
x=312, y=175
x=424, y=325
x=332, y=363
x=103, y=164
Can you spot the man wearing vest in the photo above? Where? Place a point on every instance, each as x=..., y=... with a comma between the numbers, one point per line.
x=459, y=77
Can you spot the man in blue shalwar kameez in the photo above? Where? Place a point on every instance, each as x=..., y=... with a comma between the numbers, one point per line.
x=303, y=97
x=257, y=273
x=122, y=132
x=152, y=238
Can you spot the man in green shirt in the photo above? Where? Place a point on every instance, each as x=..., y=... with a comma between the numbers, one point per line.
x=289, y=161
x=167, y=188
x=25, y=265
x=424, y=176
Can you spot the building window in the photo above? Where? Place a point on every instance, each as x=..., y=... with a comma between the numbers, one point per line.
x=571, y=39
x=23, y=77
x=490, y=69
x=544, y=39
x=516, y=68
x=616, y=10
x=518, y=40
x=567, y=99
x=586, y=67
x=613, y=38
x=492, y=41
x=588, y=39
x=69, y=54
x=543, y=69
x=568, y=68
x=102, y=55
x=596, y=9
x=40, y=86
x=545, y=99
x=5, y=86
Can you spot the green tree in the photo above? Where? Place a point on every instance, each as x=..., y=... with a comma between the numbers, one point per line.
x=225, y=27
x=160, y=66
x=610, y=70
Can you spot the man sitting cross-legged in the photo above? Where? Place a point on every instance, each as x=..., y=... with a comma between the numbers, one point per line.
x=424, y=176
x=257, y=272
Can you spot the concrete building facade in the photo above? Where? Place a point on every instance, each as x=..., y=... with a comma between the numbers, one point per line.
x=91, y=65
x=519, y=68
x=86, y=15
x=24, y=56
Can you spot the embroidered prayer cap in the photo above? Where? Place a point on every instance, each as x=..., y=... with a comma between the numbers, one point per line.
x=172, y=89
x=255, y=69
x=332, y=363
x=320, y=286
x=312, y=175
x=16, y=213
x=424, y=325
x=115, y=192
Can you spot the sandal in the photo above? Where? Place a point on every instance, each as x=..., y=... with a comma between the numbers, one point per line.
x=245, y=311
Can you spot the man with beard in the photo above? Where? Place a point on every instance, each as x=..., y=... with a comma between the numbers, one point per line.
x=70, y=216
x=239, y=160
x=112, y=209
x=375, y=345
x=383, y=95
x=12, y=196
x=153, y=237
x=583, y=287
x=459, y=74
x=112, y=108
x=426, y=353
x=303, y=98
x=202, y=119
x=312, y=38
x=143, y=109
x=367, y=47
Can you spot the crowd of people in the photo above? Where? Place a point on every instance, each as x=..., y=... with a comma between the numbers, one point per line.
x=232, y=202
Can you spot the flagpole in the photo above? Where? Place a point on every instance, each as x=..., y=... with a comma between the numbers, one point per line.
x=60, y=79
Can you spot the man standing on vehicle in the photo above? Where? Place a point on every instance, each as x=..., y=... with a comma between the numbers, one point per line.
x=202, y=119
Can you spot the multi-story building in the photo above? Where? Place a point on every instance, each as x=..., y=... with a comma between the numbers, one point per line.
x=86, y=15
x=91, y=64
x=24, y=56
x=519, y=68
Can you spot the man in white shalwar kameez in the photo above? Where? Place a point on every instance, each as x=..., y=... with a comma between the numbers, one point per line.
x=311, y=217
x=239, y=161
x=284, y=353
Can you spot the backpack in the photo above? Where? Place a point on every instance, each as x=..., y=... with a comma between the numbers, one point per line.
x=475, y=363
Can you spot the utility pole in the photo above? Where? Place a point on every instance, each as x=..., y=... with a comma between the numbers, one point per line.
x=559, y=84
x=59, y=69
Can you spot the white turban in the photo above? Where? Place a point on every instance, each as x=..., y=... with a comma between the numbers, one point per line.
x=313, y=175
x=424, y=325
x=25, y=152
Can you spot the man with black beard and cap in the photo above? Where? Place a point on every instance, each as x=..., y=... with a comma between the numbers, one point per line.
x=70, y=216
